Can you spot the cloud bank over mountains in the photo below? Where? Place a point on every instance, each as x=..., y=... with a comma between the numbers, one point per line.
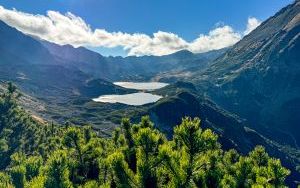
x=71, y=29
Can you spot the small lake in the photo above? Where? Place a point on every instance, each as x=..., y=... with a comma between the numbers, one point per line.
x=134, y=99
x=141, y=85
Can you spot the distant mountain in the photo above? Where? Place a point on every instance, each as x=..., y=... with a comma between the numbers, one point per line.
x=128, y=68
x=86, y=61
x=259, y=77
x=63, y=77
x=17, y=48
x=151, y=66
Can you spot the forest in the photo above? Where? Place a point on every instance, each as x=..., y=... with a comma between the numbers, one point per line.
x=35, y=154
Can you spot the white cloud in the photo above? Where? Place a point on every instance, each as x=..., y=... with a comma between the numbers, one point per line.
x=251, y=25
x=218, y=38
x=71, y=29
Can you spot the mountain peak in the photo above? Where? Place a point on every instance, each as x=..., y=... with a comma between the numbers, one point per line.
x=183, y=52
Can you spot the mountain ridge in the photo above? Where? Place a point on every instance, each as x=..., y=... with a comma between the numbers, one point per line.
x=259, y=76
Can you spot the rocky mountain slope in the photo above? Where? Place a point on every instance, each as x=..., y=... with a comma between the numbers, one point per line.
x=259, y=77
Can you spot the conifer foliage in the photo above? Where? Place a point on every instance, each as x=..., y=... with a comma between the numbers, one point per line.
x=137, y=155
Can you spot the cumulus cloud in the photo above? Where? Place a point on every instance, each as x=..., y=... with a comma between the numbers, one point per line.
x=251, y=25
x=218, y=38
x=71, y=29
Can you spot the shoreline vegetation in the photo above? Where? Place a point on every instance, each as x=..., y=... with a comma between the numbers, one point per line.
x=35, y=154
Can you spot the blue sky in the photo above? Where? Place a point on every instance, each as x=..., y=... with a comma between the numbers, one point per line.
x=185, y=18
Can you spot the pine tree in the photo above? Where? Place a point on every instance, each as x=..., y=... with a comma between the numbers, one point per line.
x=56, y=171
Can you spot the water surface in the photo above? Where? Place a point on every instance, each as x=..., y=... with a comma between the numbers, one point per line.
x=134, y=99
x=141, y=85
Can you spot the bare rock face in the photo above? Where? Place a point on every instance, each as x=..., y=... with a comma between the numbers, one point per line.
x=259, y=77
